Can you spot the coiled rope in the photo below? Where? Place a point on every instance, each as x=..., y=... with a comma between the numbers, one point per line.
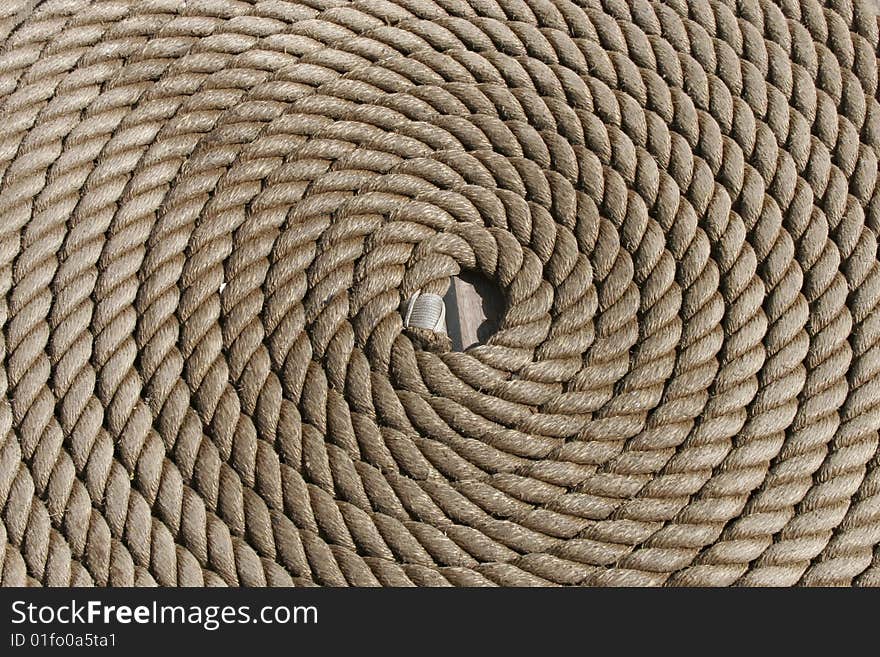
x=213, y=213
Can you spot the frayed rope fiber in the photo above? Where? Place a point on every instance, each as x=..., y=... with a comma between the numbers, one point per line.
x=213, y=214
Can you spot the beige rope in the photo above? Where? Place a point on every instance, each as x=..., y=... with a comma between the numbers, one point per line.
x=213, y=215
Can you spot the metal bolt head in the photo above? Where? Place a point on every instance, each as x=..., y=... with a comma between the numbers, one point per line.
x=426, y=311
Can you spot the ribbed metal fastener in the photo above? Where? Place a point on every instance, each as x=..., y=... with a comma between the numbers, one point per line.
x=426, y=311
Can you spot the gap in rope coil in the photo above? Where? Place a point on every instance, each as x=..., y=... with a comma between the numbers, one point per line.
x=473, y=307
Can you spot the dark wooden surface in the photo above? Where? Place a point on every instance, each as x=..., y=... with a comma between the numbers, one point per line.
x=472, y=308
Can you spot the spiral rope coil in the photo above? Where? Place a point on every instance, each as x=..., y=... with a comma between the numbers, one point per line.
x=213, y=213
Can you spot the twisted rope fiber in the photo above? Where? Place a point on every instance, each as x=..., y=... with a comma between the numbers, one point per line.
x=212, y=214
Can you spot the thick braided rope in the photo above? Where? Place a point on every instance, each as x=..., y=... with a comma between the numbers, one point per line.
x=212, y=214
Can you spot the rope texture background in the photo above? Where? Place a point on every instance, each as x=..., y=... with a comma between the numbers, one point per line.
x=213, y=212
